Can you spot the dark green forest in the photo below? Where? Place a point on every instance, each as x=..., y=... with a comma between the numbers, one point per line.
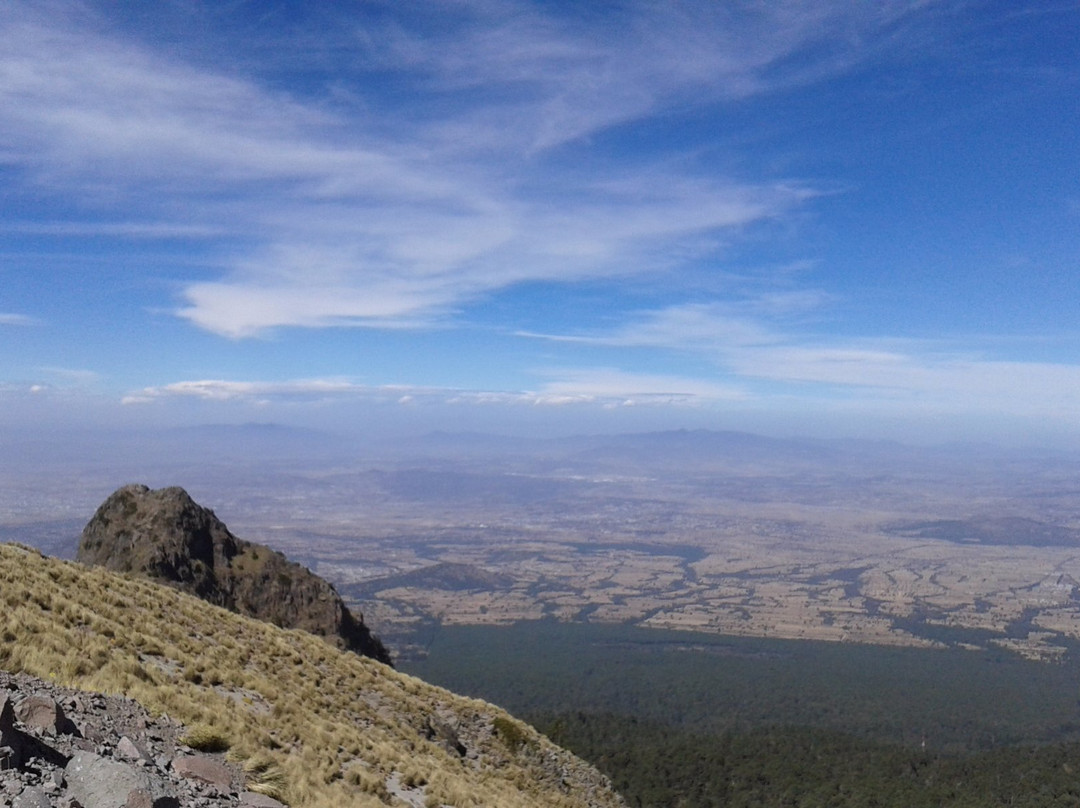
x=679, y=719
x=659, y=765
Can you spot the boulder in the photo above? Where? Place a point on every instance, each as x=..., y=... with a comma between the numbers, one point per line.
x=32, y=798
x=96, y=782
x=206, y=769
x=44, y=713
x=127, y=749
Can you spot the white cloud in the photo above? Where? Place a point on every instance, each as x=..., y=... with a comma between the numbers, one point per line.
x=302, y=390
x=605, y=387
x=748, y=346
x=613, y=385
x=699, y=327
x=932, y=379
x=341, y=223
x=226, y=390
x=562, y=77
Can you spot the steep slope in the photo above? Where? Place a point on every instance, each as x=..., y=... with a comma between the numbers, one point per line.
x=166, y=536
x=340, y=729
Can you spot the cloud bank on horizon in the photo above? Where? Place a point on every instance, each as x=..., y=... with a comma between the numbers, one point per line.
x=865, y=212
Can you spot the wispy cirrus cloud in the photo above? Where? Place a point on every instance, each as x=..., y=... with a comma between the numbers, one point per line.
x=709, y=328
x=8, y=318
x=927, y=376
x=356, y=208
x=573, y=73
x=748, y=345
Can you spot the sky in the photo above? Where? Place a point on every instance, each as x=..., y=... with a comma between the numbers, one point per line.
x=828, y=218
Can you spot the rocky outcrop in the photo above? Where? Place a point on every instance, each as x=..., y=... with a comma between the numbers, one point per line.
x=164, y=535
x=63, y=747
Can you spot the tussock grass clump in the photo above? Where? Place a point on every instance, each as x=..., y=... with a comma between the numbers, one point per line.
x=312, y=725
x=368, y=781
x=206, y=739
x=513, y=733
x=265, y=776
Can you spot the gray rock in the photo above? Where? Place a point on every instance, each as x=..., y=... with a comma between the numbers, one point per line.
x=127, y=749
x=197, y=767
x=46, y=714
x=32, y=798
x=41, y=712
x=443, y=732
x=140, y=798
x=91, y=733
x=96, y=782
x=37, y=765
x=84, y=744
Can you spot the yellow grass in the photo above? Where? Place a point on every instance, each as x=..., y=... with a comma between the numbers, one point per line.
x=312, y=725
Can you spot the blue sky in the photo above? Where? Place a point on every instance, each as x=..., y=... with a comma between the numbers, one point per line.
x=802, y=218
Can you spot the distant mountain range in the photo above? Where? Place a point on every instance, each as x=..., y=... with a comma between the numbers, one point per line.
x=237, y=444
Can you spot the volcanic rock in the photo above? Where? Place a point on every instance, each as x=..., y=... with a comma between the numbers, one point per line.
x=164, y=535
x=49, y=768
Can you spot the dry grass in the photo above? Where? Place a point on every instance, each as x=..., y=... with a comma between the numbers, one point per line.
x=311, y=724
x=206, y=739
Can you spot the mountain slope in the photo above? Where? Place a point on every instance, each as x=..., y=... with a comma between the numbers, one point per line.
x=166, y=536
x=343, y=730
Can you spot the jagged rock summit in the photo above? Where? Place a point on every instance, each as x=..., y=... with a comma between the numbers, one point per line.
x=165, y=535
